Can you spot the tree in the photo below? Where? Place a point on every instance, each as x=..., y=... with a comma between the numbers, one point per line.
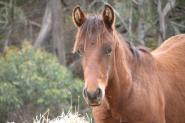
x=45, y=29
x=141, y=23
x=163, y=12
x=58, y=29
x=53, y=24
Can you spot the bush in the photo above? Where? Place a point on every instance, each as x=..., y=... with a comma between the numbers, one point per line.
x=29, y=75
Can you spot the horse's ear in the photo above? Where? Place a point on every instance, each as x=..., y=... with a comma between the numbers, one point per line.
x=108, y=16
x=78, y=16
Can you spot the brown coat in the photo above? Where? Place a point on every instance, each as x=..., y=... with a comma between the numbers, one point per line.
x=137, y=86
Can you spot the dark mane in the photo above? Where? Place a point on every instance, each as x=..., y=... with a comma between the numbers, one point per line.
x=133, y=49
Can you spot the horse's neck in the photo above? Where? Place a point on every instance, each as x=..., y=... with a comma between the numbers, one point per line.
x=125, y=67
x=119, y=86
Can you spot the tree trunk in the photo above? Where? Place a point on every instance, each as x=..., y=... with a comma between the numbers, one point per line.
x=10, y=32
x=45, y=31
x=162, y=18
x=130, y=22
x=58, y=29
x=141, y=24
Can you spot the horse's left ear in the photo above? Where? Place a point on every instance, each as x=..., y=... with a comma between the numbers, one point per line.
x=108, y=16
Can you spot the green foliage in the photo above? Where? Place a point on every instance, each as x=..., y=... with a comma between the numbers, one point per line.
x=9, y=14
x=33, y=76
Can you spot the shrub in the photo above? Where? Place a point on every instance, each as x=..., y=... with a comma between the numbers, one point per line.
x=29, y=75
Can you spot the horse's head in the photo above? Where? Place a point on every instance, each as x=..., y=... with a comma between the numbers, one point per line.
x=95, y=43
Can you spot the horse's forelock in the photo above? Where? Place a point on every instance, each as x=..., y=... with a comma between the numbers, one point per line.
x=91, y=31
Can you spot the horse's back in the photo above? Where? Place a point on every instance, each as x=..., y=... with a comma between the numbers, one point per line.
x=173, y=43
x=170, y=58
x=171, y=54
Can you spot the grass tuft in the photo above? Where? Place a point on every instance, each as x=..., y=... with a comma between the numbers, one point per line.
x=63, y=118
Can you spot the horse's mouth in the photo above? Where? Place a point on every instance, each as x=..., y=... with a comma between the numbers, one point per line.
x=93, y=105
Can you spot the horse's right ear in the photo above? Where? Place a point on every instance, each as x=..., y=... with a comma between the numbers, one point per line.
x=108, y=16
x=78, y=16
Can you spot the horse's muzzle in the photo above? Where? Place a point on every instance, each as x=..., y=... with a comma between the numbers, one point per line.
x=93, y=98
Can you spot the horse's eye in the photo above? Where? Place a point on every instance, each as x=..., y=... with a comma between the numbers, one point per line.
x=79, y=52
x=108, y=50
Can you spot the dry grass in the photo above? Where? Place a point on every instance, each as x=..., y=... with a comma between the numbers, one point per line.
x=64, y=118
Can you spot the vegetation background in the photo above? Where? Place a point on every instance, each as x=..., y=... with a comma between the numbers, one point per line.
x=38, y=72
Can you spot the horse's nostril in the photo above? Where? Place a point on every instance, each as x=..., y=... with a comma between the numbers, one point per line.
x=85, y=92
x=98, y=92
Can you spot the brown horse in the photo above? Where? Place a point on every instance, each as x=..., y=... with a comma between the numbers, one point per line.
x=124, y=84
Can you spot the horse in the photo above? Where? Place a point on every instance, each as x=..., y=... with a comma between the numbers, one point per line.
x=126, y=84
